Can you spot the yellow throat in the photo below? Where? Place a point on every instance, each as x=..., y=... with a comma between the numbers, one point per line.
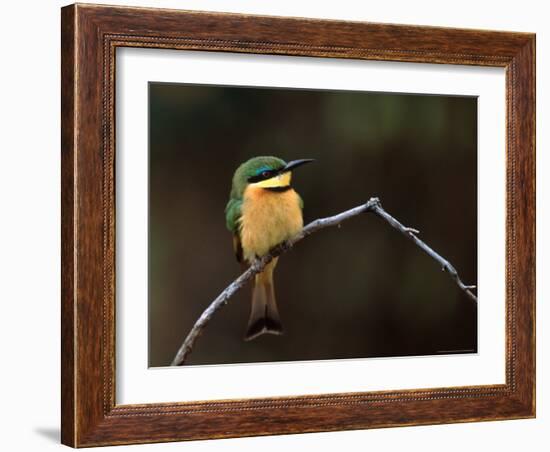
x=281, y=180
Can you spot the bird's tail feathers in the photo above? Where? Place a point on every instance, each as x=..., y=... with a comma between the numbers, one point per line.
x=264, y=315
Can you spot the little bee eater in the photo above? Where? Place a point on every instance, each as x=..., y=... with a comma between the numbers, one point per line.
x=263, y=211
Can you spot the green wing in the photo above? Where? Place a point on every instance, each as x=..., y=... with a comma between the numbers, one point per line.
x=301, y=201
x=232, y=214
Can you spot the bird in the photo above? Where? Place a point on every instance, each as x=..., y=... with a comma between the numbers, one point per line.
x=263, y=211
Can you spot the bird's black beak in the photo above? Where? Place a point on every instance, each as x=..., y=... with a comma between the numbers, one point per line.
x=295, y=164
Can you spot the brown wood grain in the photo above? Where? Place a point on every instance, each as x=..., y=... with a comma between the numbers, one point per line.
x=90, y=36
x=67, y=226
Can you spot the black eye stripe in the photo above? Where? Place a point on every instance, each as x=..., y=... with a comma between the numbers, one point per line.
x=264, y=175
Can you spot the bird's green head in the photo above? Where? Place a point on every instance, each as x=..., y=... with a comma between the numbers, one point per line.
x=264, y=172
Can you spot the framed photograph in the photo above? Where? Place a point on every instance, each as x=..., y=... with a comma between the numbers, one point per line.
x=281, y=225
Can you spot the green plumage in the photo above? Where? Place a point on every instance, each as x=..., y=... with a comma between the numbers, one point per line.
x=232, y=214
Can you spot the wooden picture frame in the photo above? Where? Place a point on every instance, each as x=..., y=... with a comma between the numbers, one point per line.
x=90, y=36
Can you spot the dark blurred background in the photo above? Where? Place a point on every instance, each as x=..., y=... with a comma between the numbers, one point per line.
x=359, y=291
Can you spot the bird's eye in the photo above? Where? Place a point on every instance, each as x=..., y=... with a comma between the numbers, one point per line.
x=266, y=174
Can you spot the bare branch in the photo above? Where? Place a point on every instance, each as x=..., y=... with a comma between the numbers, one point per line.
x=373, y=205
x=411, y=234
